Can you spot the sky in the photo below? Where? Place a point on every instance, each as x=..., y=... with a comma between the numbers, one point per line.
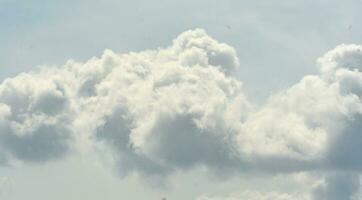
x=199, y=100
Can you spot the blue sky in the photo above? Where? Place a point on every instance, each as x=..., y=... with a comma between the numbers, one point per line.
x=285, y=36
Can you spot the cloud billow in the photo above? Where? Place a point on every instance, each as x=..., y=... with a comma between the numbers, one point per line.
x=175, y=108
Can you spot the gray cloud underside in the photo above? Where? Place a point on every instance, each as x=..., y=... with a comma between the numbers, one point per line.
x=175, y=108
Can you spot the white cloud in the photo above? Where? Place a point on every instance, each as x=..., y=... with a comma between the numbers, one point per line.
x=175, y=108
x=343, y=56
x=35, y=117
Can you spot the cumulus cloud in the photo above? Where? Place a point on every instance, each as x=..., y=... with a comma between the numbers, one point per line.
x=175, y=108
x=159, y=115
x=315, y=121
x=35, y=117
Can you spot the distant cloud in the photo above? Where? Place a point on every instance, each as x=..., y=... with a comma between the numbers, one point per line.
x=337, y=186
x=174, y=108
x=254, y=195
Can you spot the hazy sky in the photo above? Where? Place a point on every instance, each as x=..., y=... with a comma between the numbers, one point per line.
x=199, y=100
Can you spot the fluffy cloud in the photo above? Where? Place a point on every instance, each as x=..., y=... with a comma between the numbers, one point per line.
x=315, y=121
x=343, y=56
x=166, y=115
x=159, y=111
x=34, y=117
